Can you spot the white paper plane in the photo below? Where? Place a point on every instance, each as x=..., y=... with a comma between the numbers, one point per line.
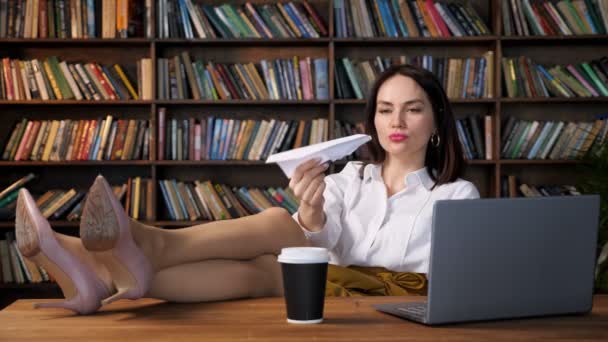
x=331, y=150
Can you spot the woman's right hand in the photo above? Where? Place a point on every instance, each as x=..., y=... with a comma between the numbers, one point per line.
x=307, y=183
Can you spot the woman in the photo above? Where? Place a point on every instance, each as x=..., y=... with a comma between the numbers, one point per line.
x=372, y=218
x=379, y=214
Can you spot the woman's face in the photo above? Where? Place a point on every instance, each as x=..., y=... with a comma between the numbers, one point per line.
x=404, y=117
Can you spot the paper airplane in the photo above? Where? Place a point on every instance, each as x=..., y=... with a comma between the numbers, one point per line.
x=331, y=150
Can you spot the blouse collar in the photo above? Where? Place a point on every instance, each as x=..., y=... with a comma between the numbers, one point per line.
x=420, y=176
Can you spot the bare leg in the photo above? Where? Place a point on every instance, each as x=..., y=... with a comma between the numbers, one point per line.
x=209, y=280
x=237, y=239
x=231, y=259
x=213, y=280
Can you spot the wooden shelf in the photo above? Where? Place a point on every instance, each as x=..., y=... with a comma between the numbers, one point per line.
x=417, y=40
x=76, y=41
x=587, y=38
x=452, y=101
x=239, y=102
x=75, y=102
x=244, y=42
x=173, y=163
x=306, y=41
x=78, y=163
x=10, y=225
x=601, y=99
x=54, y=223
x=210, y=162
x=45, y=286
x=538, y=162
x=480, y=162
x=245, y=162
x=471, y=162
x=242, y=102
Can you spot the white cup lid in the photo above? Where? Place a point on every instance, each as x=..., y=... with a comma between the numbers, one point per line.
x=304, y=255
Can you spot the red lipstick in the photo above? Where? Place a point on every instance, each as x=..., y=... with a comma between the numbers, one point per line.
x=397, y=137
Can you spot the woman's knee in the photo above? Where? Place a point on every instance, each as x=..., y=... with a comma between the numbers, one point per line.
x=281, y=222
x=277, y=213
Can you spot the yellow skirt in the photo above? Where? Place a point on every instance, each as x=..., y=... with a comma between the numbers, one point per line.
x=373, y=281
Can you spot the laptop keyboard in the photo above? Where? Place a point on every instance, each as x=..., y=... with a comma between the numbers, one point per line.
x=415, y=311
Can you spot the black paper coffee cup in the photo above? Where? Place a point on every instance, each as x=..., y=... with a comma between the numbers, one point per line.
x=304, y=276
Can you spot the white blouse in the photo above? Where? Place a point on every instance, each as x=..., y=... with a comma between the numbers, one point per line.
x=365, y=227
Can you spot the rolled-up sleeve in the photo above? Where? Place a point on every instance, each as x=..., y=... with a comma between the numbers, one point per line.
x=333, y=207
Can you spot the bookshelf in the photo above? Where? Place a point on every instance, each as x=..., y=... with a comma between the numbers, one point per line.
x=486, y=174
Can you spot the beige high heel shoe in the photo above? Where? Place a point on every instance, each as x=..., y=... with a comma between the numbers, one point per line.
x=105, y=231
x=80, y=285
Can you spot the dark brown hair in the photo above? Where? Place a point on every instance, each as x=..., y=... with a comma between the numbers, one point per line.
x=447, y=159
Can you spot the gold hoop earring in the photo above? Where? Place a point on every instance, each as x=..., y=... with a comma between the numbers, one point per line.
x=435, y=140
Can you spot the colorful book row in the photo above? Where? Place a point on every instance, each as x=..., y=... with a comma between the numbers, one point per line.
x=204, y=200
x=403, y=18
x=70, y=140
x=217, y=138
x=462, y=78
x=552, y=139
x=294, y=78
x=61, y=204
x=551, y=18
x=187, y=19
x=52, y=79
x=75, y=18
x=525, y=78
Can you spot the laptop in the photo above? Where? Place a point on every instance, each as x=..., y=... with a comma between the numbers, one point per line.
x=505, y=258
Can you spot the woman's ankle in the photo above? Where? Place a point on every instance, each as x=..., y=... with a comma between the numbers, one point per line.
x=274, y=277
x=75, y=247
x=150, y=240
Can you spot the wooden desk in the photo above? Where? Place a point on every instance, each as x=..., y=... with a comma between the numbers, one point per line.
x=346, y=319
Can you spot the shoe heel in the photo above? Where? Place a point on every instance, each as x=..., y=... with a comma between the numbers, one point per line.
x=105, y=230
x=99, y=226
x=26, y=236
x=123, y=293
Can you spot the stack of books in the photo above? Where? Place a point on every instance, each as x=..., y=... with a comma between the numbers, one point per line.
x=524, y=78
x=75, y=18
x=461, y=77
x=135, y=196
x=17, y=269
x=67, y=204
x=8, y=197
x=406, y=18
x=70, y=140
x=552, y=139
x=216, y=138
x=52, y=79
x=549, y=18
x=511, y=187
x=187, y=19
x=475, y=135
x=295, y=78
x=203, y=200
